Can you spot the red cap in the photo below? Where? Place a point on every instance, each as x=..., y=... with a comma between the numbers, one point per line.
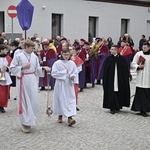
x=63, y=39
x=98, y=38
x=82, y=40
x=86, y=43
x=45, y=43
x=77, y=48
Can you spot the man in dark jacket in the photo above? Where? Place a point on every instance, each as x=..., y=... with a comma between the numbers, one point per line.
x=142, y=40
x=115, y=82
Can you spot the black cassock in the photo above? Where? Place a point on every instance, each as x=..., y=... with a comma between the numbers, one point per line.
x=122, y=96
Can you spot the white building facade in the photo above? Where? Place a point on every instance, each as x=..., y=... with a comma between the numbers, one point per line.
x=80, y=19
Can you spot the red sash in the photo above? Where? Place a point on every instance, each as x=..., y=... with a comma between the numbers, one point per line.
x=20, y=100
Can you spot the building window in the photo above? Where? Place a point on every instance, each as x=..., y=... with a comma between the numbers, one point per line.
x=124, y=26
x=56, y=25
x=148, y=28
x=92, y=28
x=2, y=29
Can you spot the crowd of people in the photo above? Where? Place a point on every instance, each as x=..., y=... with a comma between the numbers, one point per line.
x=67, y=68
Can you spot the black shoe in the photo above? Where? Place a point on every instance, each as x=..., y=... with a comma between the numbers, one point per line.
x=117, y=110
x=42, y=88
x=52, y=88
x=93, y=85
x=112, y=111
x=98, y=82
x=77, y=109
x=144, y=114
x=15, y=98
x=81, y=90
x=2, y=110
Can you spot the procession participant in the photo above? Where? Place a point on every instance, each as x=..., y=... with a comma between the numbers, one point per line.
x=5, y=79
x=102, y=54
x=93, y=55
x=78, y=61
x=126, y=52
x=14, y=48
x=59, y=48
x=51, y=46
x=64, y=103
x=82, y=54
x=20, y=47
x=89, y=67
x=48, y=57
x=141, y=63
x=57, y=41
x=2, y=37
x=115, y=82
x=94, y=58
x=26, y=67
x=82, y=42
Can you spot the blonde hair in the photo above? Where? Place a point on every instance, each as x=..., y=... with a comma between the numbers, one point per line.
x=29, y=43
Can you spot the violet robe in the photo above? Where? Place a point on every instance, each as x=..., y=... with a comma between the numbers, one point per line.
x=50, y=59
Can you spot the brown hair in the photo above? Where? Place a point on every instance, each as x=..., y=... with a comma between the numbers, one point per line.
x=116, y=46
x=2, y=47
x=65, y=51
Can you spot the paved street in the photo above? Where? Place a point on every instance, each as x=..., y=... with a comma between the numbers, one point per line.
x=96, y=128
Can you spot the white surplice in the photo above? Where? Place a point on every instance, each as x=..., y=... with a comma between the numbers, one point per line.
x=143, y=75
x=29, y=85
x=64, y=100
x=4, y=62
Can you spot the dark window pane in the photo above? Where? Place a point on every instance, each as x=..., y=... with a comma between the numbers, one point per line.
x=56, y=25
x=92, y=28
x=2, y=21
x=124, y=26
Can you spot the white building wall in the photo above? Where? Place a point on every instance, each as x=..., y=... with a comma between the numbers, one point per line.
x=75, y=18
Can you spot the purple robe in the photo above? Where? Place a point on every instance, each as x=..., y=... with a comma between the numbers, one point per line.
x=82, y=77
x=100, y=70
x=91, y=71
x=43, y=81
x=128, y=59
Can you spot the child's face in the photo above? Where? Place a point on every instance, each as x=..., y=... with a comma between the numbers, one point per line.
x=72, y=51
x=29, y=49
x=4, y=51
x=66, y=56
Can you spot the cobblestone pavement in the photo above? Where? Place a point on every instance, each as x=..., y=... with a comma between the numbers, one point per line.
x=96, y=128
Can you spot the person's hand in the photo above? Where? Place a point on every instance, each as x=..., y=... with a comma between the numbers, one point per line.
x=141, y=65
x=41, y=62
x=72, y=77
x=46, y=68
x=26, y=66
x=4, y=68
x=87, y=59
